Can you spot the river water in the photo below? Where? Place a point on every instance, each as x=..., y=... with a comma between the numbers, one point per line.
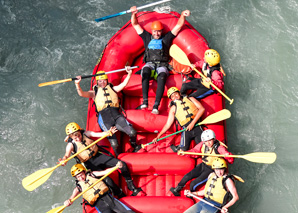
x=48, y=40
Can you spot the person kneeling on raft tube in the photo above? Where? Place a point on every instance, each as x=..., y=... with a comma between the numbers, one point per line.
x=220, y=190
x=187, y=111
x=213, y=72
x=209, y=145
x=107, y=106
x=98, y=196
x=94, y=160
x=156, y=55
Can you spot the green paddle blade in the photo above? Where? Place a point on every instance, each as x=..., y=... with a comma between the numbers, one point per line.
x=37, y=178
x=260, y=157
x=57, y=210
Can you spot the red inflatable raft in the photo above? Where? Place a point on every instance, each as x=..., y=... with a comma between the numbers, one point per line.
x=156, y=168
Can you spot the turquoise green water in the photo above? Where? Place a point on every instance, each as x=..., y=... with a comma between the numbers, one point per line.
x=48, y=40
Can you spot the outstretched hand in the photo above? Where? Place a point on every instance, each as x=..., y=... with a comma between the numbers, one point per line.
x=133, y=9
x=186, y=13
x=79, y=78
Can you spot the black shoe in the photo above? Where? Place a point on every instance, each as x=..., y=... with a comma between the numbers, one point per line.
x=175, y=192
x=137, y=148
x=174, y=148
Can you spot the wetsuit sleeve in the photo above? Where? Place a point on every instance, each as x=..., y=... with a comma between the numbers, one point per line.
x=222, y=150
x=217, y=79
x=196, y=149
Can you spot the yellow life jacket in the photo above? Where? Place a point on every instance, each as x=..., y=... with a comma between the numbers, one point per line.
x=105, y=97
x=212, y=150
x=92, y=194
x=186, y=110
x=88, y=153
x=215, y=189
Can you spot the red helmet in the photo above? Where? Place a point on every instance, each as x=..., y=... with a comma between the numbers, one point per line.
x=156, y=25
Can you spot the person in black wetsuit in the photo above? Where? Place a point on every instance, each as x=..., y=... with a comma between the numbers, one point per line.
x=156, y=55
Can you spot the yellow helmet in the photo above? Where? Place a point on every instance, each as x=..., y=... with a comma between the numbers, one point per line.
x=219, y=163
x=71, y=128
x=171, y=91
x=212, y=57
x=103, y=75
x=77, y=169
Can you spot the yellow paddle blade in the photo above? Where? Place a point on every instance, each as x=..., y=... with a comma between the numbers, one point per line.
x=216, y=117
x=179, y=55
x=238, y=178
x=37, y=178
x=260, y=157
x=57, y=210
x=54, y=82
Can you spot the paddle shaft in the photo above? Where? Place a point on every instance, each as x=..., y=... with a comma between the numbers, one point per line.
x=84, y=76
x=205, y=121
x=257, y=157
x=210, y=204
x=90, y=76
x=128, y=11
x=96, y=182
x=223, y=94
x=55, y=167
x=61, y=208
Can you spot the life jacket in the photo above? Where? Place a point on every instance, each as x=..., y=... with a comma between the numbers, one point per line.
x=185, y=112
x=209, y=70
x=88, y=153
x=95, y=192
x=155, y=52
x=208, y=160
x=216, y=190
x=105, y=97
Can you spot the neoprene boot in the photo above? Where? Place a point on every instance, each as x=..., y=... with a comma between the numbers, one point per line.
x=133, y=188
x=176, y=191
x=175, y=148
x=134, y=145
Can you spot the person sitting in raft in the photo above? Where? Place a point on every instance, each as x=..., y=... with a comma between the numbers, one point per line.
x=107, y=105
x=220, y=187
x=208, y=145
x=187, y=111
x=94, y=160
x=100, y=195
x=214, y=73
x=156, y=55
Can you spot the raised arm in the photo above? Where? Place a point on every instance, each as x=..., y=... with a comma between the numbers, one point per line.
x=180, y=22
x=134, y=20
x=85, y=94
x=121, y=86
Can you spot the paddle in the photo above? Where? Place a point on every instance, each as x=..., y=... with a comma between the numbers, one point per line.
x=181, y=57
x=210, y=204
x=128, y=11
x=213, y=118
x=256, y=157
x=85, y=76
x=37, y=178
x=61, y=208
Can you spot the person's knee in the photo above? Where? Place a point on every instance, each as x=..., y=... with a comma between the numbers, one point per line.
x=113, y=142
x=162, y=76
x=146, y=72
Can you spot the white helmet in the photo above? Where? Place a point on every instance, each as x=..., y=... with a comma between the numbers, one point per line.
x=207, y=135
